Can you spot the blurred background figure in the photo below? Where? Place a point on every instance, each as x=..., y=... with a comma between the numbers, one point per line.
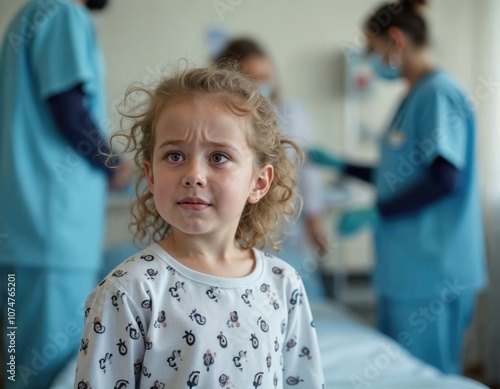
x=429, y=233
x=309, y=231
x=54, y=181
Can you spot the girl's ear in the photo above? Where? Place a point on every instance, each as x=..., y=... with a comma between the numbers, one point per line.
x=148, y=169
x=262, y=184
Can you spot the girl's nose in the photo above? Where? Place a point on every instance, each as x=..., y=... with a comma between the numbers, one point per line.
x=195, y=174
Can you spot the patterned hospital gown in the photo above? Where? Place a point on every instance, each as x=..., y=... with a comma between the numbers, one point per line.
x=154, y=323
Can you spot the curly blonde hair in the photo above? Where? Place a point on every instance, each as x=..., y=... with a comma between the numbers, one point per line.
x=261, y=224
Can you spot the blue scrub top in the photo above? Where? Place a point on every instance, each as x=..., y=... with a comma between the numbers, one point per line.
x=52, y=202
x=423, y=254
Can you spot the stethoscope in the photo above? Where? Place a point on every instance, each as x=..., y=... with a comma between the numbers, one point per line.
x=396, y=137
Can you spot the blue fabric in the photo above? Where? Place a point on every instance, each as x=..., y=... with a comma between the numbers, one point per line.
x=442, y=179
x=383, y=70
x=353, y=221
x=49, y=321
x=324, y=158
x=444, y=241
x=432, y=329
x=52, y=201
x=75, y=123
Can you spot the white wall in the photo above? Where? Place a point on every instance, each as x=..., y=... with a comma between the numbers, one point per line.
x=304, y=37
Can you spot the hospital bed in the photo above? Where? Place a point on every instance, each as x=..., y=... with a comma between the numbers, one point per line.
x=355, y=356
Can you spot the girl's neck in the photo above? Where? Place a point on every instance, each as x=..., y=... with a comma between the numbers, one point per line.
x=224, y=259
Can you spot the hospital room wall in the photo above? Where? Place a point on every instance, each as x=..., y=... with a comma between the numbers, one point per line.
x=305, y=38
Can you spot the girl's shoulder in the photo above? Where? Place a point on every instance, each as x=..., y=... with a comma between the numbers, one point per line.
x=277, y=269
x=143, y=271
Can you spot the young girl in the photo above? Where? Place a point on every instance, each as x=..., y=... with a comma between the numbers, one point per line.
x=203, y=307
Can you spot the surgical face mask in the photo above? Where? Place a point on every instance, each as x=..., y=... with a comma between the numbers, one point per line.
x=388, y=72
x=96, y=4
x=266, y=90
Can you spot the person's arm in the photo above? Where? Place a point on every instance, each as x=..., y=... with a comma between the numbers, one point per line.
x=76, y=125
x=297, y=126
x=441, y=180
x=311, y=186
x=301, y=356
x=113, y=343
x=328, y=159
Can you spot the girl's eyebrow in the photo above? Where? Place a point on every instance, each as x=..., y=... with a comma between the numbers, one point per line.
x=219, y=145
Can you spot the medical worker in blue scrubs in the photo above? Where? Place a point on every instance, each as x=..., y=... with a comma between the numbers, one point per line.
x=54, y=182
x=429, y=239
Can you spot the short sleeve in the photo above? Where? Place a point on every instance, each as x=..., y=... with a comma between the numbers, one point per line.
x=113, y=343
x=443, y=128
x=301, y=355
x=62, y=50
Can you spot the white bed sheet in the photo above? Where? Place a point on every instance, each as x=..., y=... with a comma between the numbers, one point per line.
x=354, y=356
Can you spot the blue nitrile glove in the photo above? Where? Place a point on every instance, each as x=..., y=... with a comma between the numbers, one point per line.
x=325, y=158
x=353, y=221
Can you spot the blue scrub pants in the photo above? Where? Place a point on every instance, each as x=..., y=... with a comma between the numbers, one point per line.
x=432, y=329
x=49, y=307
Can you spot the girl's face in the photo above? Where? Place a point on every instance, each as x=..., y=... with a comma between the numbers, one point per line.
x=202, y=170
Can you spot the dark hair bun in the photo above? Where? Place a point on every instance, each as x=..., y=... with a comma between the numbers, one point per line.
x=415, y=6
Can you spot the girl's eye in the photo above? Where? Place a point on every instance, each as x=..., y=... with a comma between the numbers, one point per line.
x=173, y=157
x=219, y=158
